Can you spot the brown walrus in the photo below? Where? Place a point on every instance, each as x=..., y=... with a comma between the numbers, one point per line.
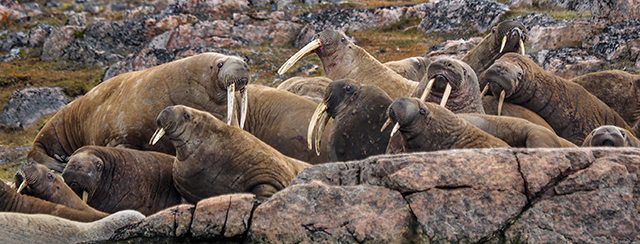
x=507, y=36
x=516, y=132
x=571, y=110
x=311, y=88
x=121, y=111
x=412, y=68
x=431, y=127
x=617, y=89
x=46, y=229
x=112, y=179
x=12, y=201
x=213, y=158
x=610, y=136
x=452, y=84
x=343, y=59
x=491, y=103
x=358, y=113
x=38, y=181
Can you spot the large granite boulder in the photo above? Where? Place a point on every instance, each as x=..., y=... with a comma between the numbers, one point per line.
x=27, y=106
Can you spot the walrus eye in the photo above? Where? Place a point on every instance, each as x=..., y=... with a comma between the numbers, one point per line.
x=422, y=111
x=342, y=39
x=186, y=116
x=348, y=88
x=622, y=133
x=49, y=176
x=99, y=166
x=464, y=71
x=493, y=30
x=519, y=76
x=220, y=65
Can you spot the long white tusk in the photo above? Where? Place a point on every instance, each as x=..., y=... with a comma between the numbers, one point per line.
x=322, y=107
x=522, y=46
x=426, y=91
x=231, y=102
x=156, y=136
x=303, y=51
x=386, y=123
x=395, y=129
x=485, y=90
x=500, y=102
x=85, y=196
x=504, y=42
x=324, y=118
x=445, y=95
x=22, y=186
x=243, y=108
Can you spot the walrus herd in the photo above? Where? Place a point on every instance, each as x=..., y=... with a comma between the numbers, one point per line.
x=147, y=140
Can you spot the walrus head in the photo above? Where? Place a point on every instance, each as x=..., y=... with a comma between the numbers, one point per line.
x=323, y=44
x=235, y=75
x=335, y=97
x=509, y=36
x=35, y=179
x=445, y=75
x=83, y=171
x=606, y=136
x=503, y=77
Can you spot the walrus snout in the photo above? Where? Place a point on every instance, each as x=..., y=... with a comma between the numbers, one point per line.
x=606, y=136
x=402, y=111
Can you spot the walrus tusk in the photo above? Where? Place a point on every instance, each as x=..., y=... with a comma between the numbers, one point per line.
x=426, y=91
x=324, y=118
x=243, y=108
x=445, y=95
x=303, y=51
x=22, y=186
x=504, y=42
x=386, y=123
x=522, y=46
x=322, y=107
x=231, y=100
x=156, y=136
x=502, y=94
x=395, y=129
x=85, y=196
x=484, y=90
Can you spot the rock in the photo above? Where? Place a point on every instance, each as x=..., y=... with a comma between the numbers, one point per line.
x=18, y=39
x=7, y=14
x=27, y=106
x=138, y=12
x=209, y=9
x=316, y=212
x=171, y=222
x=456, y=15
x=223, y=216
x=455, y=49
x=56, y=42
x=38, y=35
x=617, y=41
x=567, y=62
x=77, y=19
x=566, y=33
x=261, y=27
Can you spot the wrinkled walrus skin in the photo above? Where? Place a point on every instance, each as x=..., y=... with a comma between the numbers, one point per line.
x=610, y=136
x=513, y=34
x=46, y=229
x=213, y=158
x=40, y=182
x=412, y=68
x=11, y=201
x=426, y=127
x=121, y=111
x=121, y=178
x=571, y=110
x=517, y=132
x=311, y=88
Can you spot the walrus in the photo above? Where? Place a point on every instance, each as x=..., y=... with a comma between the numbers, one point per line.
x=12, y=201
x=311, y=88
x=213, y=158
x=617, y=89
x=431, y=127
x=46, y=229
x=112, y=179
x=491, y=103
x=611, y=136
x=570, y=109
x=343, y=59
x=121, y=111
x=507, y=36
x=358, y=113
x=39, y=181
x=412, y=68
x=516, y=132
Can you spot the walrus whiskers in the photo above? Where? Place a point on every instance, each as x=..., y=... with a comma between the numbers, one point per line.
x=156, y=136
x=303, y=51
x=501, y=101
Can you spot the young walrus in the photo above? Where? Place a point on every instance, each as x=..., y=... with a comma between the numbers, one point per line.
x=37, y=180
x=343, y=59
x=358, y=113
x=610, y=136
x=430, y=127
x=571, y=110
x=516, y=132
x=507, y=36
x=213, y=158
